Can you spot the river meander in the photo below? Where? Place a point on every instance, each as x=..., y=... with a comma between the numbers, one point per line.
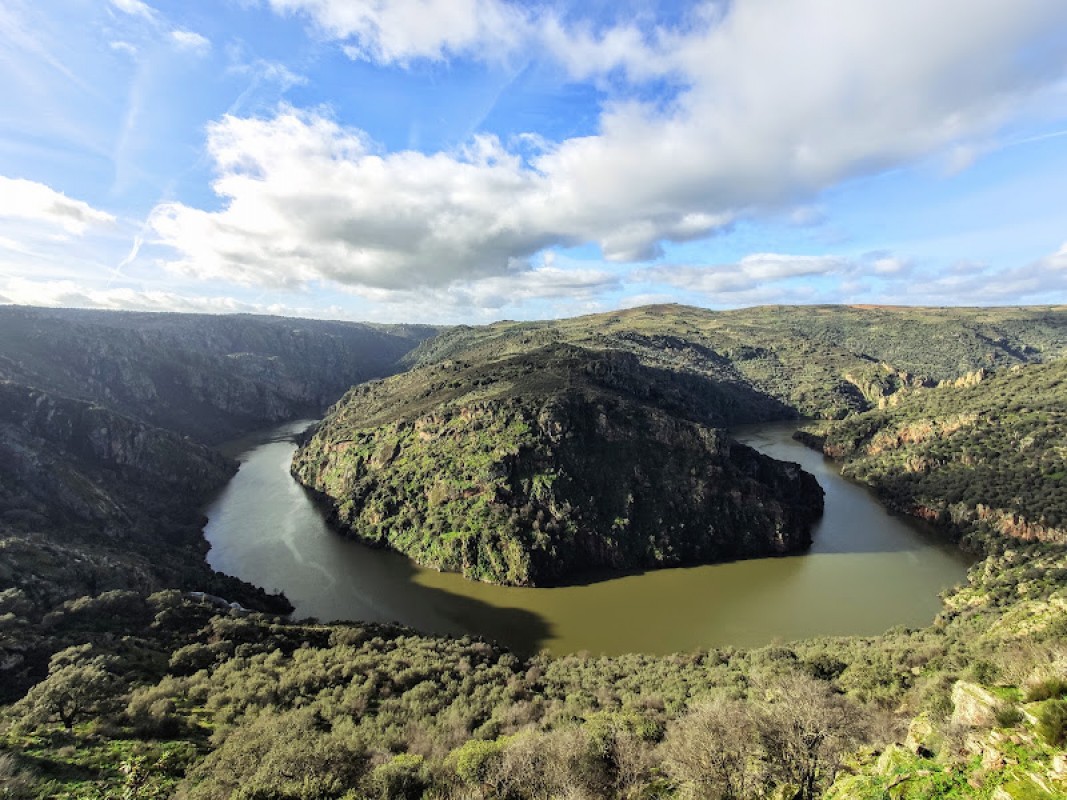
x=866, y=571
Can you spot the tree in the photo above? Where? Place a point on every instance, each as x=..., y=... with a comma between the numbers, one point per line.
x=69, y=693
x=804, y=729
x=714, y=748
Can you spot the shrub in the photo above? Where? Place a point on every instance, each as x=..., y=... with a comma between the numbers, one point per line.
x=405, y=777
x=1048, y=689
x=1008, y=716
x=1052, y=722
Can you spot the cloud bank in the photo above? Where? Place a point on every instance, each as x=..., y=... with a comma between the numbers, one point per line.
x=776, y=102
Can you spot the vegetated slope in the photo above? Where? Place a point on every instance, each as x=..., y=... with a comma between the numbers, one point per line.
x=175, y=699
x=985, y=456
x=815, y=361
x=525, y=469
x=170, y=697
x=207, y=376
x=99, y=488
x=93, y=501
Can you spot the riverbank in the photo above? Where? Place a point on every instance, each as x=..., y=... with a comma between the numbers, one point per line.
x=866, y=571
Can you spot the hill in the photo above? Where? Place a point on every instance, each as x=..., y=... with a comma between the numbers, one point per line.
x=152, y=695
x=983, y=456
x=212, y=377
x=529, y=468
x=102, y=479
x=809, y=361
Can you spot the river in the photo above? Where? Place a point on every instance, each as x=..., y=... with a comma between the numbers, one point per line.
x=866, y=571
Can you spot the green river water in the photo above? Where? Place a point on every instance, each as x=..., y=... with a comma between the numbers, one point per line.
x=866, y=571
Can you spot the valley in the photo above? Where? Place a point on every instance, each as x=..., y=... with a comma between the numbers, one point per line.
x=589, y=443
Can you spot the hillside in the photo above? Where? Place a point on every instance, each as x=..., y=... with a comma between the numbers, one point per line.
x=101, y=486
x=141, y=693
x=206, y=376
x=810, y=361
x=984, y=456
x=527, y=469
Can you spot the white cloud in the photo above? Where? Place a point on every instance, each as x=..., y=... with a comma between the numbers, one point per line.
x=267, y=71
x=134, y=8
x=34, y=202
x=776, y=102
x=71, y=294
x=390, y=31
x=544, y=291
x=123, y=47
x=190, y=40
x=307, y=200
x=749, y=273
x=1057, y=262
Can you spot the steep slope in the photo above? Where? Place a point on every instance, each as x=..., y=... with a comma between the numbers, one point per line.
x=100, y=486
x=527, y=469
x=92, y=500
x=206, y=376
x=814, y=361
x=985, y=456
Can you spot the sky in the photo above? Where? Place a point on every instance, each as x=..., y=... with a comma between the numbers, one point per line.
x=463, y=161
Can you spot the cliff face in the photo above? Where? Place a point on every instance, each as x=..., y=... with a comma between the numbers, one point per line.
x=100, y=488
x=210, y=377
x=91, y=500
x=533, y=468
x=982, y=456
x=69, y=462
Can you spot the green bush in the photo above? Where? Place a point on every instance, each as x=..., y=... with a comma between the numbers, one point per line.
x=1048, y=689
x=1052, y=722
x=405, y=777
x=1008, y=716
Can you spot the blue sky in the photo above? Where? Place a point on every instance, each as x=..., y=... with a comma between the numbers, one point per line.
x=470, y=160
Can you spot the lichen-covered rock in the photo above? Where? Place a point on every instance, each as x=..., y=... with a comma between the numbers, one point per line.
x=972, y=706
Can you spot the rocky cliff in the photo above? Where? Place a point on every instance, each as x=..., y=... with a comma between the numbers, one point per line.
x=93, y=500
x=535, y=467
x=210, y=377
x=982, y=456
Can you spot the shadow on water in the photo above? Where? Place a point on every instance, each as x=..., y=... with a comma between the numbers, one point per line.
x=866, y=571
x=265, y=528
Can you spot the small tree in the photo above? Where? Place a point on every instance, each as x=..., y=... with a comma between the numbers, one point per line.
x=714, y=748
x=805, y=728
x=69, y=693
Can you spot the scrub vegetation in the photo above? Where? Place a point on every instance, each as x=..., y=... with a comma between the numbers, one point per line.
x=141, y=691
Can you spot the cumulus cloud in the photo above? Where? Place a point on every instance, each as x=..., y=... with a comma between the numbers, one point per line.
x=776, y=102
x=308, y=200
x=34, y=202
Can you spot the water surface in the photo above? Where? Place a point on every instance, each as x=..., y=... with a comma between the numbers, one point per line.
x=866, y=571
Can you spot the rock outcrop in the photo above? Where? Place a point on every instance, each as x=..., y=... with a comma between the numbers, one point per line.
x=533, y=468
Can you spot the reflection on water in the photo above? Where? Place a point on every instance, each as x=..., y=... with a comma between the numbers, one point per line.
x=866, y=571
